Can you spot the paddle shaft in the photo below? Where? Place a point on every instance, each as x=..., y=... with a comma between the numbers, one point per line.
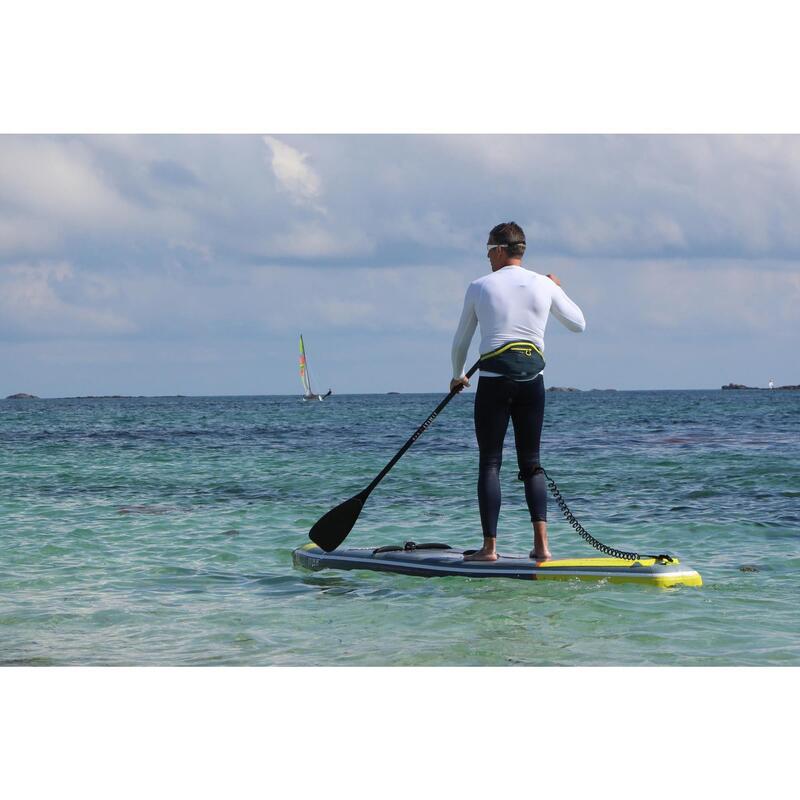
x=417, y=433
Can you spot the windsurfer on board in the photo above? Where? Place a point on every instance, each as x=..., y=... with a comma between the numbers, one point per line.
x=511, y=305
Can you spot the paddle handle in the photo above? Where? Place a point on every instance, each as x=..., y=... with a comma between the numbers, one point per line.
x=417, y=433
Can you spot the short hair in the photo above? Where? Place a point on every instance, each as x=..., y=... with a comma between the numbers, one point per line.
x=511, y=236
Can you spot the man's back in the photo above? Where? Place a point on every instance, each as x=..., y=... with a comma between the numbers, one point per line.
x=514, y=303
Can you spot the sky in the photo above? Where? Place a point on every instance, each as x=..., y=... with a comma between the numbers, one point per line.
x=190, y=264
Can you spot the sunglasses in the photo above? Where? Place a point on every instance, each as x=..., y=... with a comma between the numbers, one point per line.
x=490, y=247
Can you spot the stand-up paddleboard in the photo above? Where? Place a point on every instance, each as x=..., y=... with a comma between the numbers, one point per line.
x=440, y=559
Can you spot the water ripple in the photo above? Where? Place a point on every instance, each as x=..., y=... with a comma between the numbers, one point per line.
x=160, y=531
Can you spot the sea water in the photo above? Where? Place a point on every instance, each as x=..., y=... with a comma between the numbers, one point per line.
x=159, y=531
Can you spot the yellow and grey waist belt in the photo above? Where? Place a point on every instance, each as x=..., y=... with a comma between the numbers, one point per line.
x=520, y=361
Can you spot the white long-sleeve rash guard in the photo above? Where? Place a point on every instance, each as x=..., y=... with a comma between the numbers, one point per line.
x=511, y=304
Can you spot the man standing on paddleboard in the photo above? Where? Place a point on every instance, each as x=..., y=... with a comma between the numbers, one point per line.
x=511, y=305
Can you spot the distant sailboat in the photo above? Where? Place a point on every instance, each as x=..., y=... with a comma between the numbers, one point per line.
x=771, y=384
x=305, y=377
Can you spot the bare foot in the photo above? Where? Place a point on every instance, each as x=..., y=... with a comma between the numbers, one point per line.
x=482, y=555
x=546, y=557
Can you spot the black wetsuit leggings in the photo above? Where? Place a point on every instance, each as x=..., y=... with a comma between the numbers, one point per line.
x=496, y=400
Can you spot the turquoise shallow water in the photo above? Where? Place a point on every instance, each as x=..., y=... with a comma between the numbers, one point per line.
x=159, y=531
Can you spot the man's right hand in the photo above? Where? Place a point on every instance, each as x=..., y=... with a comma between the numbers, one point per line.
x=555, y=280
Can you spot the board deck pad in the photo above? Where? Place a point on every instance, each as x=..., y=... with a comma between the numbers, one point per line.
x=440, y=562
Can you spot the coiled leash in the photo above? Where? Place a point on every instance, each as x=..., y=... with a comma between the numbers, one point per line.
x=585, y=535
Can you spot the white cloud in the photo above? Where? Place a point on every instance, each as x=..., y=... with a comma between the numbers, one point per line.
x=293, y=173
x=432, y=228
x=309, y=240
x=639, y=195
x=740, y=297
x=345, y=313
x=416, y=298
x=715, y=302
x=32, y=305
x=653, y=236
x=23, y=233
x=401, y=198
x=58, y=181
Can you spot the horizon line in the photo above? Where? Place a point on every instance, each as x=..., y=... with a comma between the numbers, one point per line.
x=558, y=389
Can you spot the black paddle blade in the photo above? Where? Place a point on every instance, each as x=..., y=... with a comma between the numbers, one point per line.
x=331, y=530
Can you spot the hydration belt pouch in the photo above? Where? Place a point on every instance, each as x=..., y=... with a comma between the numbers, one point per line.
x=520, y=361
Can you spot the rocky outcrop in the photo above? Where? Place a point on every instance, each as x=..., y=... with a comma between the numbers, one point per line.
x=761, y=388
x=22, y=396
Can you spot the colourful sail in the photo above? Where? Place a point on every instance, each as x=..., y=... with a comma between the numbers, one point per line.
x=304, y=369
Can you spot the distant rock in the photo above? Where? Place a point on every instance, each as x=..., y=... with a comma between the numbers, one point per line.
x=22, y=396
x=562, y=389
x=392, y=392
x=794, y=388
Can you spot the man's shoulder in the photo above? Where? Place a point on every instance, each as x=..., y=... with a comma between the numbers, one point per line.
x=477, y=285
x=534, y=276
x=501, y=275
x=542, y=280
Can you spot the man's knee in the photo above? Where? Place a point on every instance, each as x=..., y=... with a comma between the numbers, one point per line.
x=491, y=462
x=528, y=471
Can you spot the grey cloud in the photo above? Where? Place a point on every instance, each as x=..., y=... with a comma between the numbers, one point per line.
x=394, y=200
x=171, y=172
x=193, y=238
x=49, y=301
x=588, y=196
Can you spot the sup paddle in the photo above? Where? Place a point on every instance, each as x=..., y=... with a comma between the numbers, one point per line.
x=332, y=529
